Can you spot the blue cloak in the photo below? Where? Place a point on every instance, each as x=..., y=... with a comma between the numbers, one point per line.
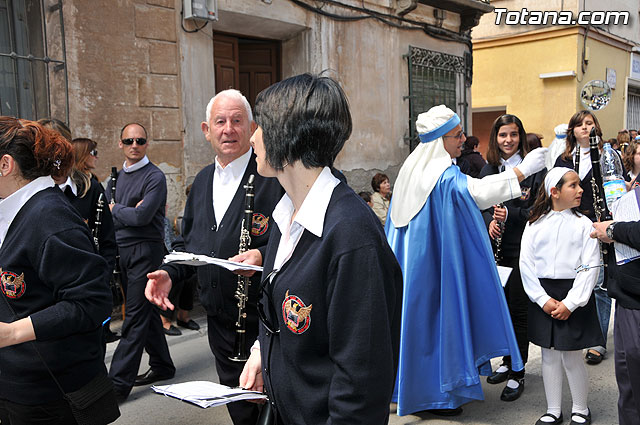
x=454, y=313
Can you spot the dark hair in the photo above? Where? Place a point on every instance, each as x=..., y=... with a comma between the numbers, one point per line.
x=146, y=136
x=469, y=145
x=534, y=140
x=628, y=154
x=366, y=196
x=80, y=174
x=377, y=180
x=38, y=151
x=57, y=125
x=574, y=122
x=303, y=118
x=493, y=151
x=543, y=202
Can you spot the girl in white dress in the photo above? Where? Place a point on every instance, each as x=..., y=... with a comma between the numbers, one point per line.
x=562, y=313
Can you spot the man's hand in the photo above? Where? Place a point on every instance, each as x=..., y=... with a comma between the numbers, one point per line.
x=251, y=377
x=139, y=203
x=252, y=257
x=157, y=290
x=600, y=231
x=561, y=312
x=550, y=306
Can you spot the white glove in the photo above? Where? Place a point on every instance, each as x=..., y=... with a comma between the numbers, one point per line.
x=533, y=162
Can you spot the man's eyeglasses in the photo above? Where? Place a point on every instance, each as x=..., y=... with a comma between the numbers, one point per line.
x=457, y=136
x=94, y=152
x=139, y=140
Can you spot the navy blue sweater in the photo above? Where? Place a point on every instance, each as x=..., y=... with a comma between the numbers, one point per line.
x=202, y=233
x=625, y=288
x=145, y=222
x=50, y=272
x=337, y=304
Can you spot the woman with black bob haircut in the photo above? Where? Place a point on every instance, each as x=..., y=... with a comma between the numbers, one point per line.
x=332, y=292
x=54, y=287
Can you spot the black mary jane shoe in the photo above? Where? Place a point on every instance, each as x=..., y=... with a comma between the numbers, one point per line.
x=512, y=394
x=556, y=421
x=587, y=418
x=172, y=331
x=497, y=377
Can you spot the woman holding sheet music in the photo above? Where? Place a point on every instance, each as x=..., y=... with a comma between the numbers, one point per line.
x=331, y=289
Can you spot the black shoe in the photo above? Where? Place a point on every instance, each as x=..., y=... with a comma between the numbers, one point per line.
x=191, y=324
x=511, y=394
x=587, y=418
x=556, y=421
x=151, y=376
x=172, y=331
x=497, y=377
x=593, y=357
x=445, y=412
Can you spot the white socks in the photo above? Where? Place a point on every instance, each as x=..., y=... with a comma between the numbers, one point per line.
x=513, y=384
x=502, y=369
x=552, y=365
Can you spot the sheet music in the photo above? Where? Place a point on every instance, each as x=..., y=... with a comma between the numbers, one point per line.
x=626, y=208
x=504, y=273
x=206, y=394
x=202, y=260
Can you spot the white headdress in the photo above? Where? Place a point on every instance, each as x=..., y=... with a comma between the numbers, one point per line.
x=423, y=167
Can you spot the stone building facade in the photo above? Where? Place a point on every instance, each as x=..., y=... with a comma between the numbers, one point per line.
x=119, y=61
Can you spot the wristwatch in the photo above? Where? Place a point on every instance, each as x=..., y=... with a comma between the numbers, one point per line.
x=610, y=230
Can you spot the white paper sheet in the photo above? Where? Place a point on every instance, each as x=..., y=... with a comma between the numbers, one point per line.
x=626, y=208
x=202, y=260
x=504, y=273
x=206, y=394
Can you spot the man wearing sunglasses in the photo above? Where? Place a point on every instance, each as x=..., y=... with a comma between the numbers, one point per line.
x=138, y=218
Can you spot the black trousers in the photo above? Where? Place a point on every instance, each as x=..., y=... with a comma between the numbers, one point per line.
x=626, y=334
x=53, y=413
x=142, y=327
x=221, y=340
x=518, y=303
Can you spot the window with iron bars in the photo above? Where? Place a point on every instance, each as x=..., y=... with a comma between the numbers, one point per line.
x=33, y=73
x=436, y=78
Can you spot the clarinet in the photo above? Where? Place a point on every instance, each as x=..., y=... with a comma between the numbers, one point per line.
x=116, y=276
x=501, y=225
x=599, y=205
x=242, y=290
x=98, y=222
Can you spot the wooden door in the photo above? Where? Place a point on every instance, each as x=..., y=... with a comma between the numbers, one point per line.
x=259, y=67
x=226, y=62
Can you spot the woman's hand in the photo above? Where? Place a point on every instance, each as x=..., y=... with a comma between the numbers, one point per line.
x=157, y=290
x=252, y=257
x=499, y=213
x=561, y=312
x=550, y=306
x=251, y=377
x=494, y=230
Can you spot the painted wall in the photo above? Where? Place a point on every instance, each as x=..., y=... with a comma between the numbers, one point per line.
x=507, y=73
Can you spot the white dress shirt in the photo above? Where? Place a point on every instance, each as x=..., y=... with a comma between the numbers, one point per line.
x=12, y=204
x=552, y=247
x=585, y=162
x=138, y=165
x=309, y=217
x=71, y=184
x=511, y=163
x=226, y=181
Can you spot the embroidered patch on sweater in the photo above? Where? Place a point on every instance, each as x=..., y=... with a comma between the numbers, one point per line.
x=296, y=315
x=259, y=224
x=12, y=285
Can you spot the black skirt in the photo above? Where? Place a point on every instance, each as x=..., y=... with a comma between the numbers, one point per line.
x=580, y=330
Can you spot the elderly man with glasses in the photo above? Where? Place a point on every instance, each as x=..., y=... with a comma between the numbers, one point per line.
x=138, y=216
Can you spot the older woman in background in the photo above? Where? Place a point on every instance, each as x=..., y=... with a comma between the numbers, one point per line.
x=381, y=196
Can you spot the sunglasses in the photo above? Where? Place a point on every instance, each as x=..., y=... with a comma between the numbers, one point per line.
x=94, y=152
x=139, y=140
